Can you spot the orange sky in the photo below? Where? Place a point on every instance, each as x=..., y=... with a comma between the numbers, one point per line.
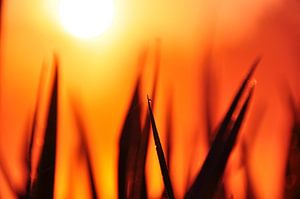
x=101, y=74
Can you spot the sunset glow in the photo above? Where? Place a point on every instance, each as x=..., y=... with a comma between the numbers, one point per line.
x=74, y=80
x=86, y=18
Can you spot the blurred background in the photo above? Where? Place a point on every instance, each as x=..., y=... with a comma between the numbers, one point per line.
x=223, y=37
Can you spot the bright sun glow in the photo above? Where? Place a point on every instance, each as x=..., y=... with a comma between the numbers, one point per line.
x=86, y=18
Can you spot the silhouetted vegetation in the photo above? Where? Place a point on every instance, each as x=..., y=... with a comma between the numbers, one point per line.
x=134, y=142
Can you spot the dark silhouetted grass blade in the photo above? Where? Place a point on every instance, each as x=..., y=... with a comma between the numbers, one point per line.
x=43, y=185
x=128, y=146
x=129, y=143
x=85, y=150
x=133, y=144
x=160, y=154
x=207, y=181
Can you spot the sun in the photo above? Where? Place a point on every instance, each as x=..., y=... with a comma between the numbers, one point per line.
x=86, y=18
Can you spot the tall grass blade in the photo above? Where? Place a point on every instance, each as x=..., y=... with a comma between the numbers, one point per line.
x=43, y=185
x=128, y=146
x=207, y=181
x=160, y=154
x=85, y=150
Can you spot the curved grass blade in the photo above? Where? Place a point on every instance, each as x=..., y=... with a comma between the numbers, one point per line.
x=43, y=185
x=207, y=181
x=160, y=154
x=129, y=140
x=85, y=150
